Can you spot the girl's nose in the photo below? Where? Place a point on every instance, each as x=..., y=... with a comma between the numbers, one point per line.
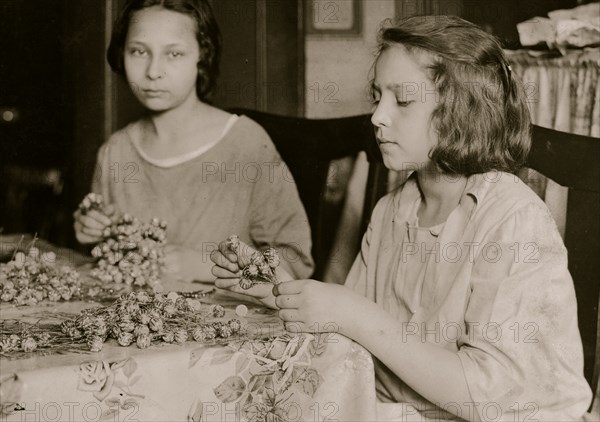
x=380, y=117
x=155, y=70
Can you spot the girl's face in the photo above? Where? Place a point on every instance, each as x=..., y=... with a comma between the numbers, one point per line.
x=160, y=57
x=404, y=99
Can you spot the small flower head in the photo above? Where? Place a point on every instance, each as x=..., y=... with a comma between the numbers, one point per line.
x=28, y=344
x=199, y=335
x=125, y=339
x=95, y=343
x=143, y=341
x=181, y=336
x=245, y=283
x=141, y=330
x=217, y=311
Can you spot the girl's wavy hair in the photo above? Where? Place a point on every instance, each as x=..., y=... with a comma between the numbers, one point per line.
x=208, y=36
x=482, y=119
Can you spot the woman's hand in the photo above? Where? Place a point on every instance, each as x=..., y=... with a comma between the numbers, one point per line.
x=90, y=226
x=313, y=306
x=228, y=270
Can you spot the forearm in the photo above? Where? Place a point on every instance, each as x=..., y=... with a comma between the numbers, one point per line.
x=434, y=372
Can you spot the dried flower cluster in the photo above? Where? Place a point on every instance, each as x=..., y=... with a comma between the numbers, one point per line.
x=144, y=318
x=29, y=279
x=131, y=252
x=258, y=268
x=26, y=341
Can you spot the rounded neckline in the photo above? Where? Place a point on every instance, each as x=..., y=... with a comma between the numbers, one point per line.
x=188, y=156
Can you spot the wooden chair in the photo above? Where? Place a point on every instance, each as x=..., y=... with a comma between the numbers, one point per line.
x=572, y=161
x=309, y=145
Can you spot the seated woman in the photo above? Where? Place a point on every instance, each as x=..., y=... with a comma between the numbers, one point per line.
x=461, y=289
x=206, y=172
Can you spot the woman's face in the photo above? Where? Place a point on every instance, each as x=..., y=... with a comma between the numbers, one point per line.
x=161, y=55
x=404, y=99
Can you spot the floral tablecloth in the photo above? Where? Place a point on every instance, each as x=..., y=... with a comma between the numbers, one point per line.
x=264, y=374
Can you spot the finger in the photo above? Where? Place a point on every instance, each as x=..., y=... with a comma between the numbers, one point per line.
x=100, y=217
x=89, y=220
x=288, y=301
x=85, y=239
x=221, y=272
x=222, y=261
x=295, y=327
x=292, y=287
x=289, y=315
x=109, y=210
x=259, y=291
x=96, y=233
x=226, y=283
x=245, y=253
x=227, y=253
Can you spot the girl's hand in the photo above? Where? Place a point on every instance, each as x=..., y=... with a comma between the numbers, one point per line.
x=313, y=306
x=185, y=264
x=228, y=270
x=89, y=226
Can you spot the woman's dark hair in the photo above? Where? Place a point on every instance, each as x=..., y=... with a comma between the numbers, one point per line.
x=207, y=34
x=482, y=119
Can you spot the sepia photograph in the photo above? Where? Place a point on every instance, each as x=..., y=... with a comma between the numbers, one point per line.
x=300, y=210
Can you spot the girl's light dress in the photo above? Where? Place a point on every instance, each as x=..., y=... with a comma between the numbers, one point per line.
x=237, y=185
x=490, y=284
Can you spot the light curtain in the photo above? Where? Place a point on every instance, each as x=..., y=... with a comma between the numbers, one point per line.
x=562, y=94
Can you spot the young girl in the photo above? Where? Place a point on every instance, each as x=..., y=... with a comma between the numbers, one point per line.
x=206, y=172
x=461, y=290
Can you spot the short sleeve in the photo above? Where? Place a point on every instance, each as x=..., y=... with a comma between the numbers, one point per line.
x=278, y=218
x=522, y=354
x=358, y=277
x=99, y=182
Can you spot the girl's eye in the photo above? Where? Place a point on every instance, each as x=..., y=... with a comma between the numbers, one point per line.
x=137, y=52
x=403, y=103
x=175, y=54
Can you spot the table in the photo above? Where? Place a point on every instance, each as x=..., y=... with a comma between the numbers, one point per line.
x=266, y=374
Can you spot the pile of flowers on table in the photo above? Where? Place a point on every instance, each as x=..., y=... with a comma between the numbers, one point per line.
x=140, y=318
x=131, y=251
x=30, y=278
x=144, y=318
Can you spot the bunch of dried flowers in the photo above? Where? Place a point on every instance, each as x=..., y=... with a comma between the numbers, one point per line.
x=131, y=252
x=145, y=318
x=258, y=268
x=30, y=278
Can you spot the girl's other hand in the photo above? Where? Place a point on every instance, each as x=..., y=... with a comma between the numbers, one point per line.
x=314, y=306
x=228, y=270
x=90, y=226
x=226, y=263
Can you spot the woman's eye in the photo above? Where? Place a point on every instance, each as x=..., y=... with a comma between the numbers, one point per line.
x=137, y=52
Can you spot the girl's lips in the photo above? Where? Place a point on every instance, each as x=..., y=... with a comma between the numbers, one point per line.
x=154, y=92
